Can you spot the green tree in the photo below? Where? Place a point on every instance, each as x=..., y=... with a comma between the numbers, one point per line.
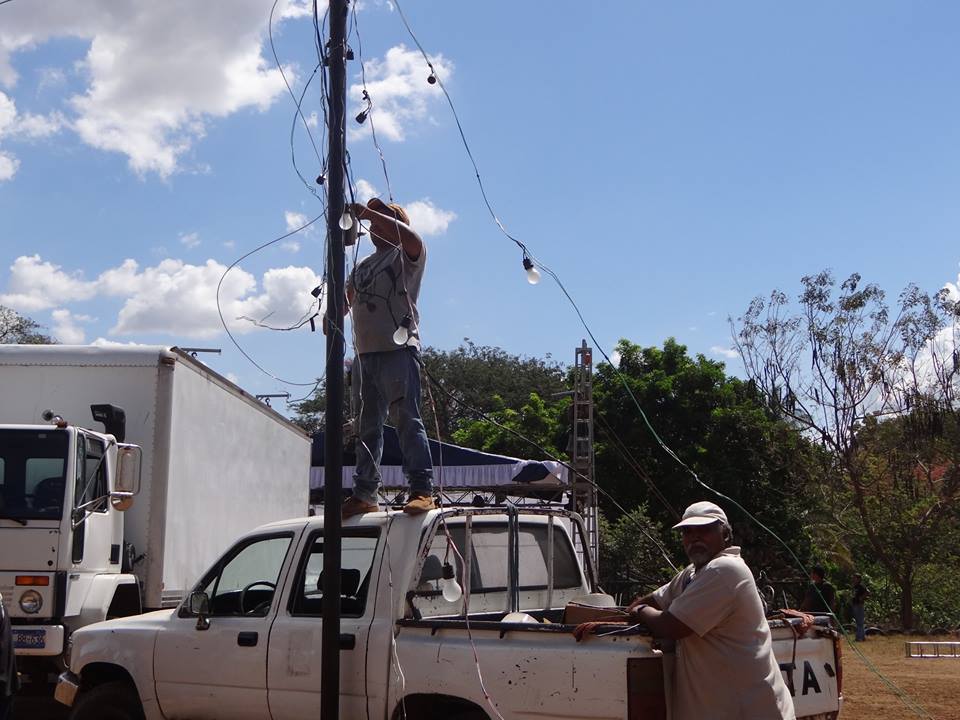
x=717, y=425
x=836, y=365
x=471, y=376
x=486, y=378
x=536, y=420
x=19, y=329
x=630, y=563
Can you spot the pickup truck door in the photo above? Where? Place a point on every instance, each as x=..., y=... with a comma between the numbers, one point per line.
x=220, y=673
x=293, y=665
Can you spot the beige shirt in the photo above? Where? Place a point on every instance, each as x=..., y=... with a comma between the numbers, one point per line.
x=386, y=286
x=726, y=669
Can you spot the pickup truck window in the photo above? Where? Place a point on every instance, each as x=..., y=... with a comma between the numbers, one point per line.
x=246, y=581
x=489, y=567
x=358, y=548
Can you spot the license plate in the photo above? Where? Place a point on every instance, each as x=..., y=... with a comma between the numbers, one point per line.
x=30, y=639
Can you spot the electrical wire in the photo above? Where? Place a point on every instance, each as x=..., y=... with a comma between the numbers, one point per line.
x=220, y=308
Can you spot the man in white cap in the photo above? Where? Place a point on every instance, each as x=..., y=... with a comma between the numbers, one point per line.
x=725, y=667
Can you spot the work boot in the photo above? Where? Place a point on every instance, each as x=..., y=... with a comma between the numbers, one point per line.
x=356, y=506
x=419, y=504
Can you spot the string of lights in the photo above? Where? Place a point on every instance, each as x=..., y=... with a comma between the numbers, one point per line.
x=530, y=265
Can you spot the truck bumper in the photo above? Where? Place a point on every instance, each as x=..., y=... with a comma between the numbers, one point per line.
x=68, y=685
x=38, y=639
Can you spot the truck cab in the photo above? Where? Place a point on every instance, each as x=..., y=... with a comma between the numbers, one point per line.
x=63, y=490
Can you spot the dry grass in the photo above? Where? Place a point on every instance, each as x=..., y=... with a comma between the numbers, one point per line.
x=933, y=683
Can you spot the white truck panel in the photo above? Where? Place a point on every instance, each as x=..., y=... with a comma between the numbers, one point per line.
x=195, y=429
x=68, y=380
x=214, y=463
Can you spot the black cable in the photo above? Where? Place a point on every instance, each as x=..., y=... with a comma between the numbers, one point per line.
x=220, y=309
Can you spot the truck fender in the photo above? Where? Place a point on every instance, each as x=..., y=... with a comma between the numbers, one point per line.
x=97, y=594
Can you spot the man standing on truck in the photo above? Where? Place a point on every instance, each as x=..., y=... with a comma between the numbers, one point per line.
x=725, y=668
x=382, y=293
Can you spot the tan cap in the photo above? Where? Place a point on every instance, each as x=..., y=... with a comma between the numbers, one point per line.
x=702, y=513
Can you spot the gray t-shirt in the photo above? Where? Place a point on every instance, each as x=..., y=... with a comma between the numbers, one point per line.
x=726, y=669
x=386, y=286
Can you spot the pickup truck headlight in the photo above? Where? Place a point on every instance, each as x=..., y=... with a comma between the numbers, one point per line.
x=31, y=602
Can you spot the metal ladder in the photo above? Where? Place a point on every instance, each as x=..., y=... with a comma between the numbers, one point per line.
x=584, y=492
x=929, y=649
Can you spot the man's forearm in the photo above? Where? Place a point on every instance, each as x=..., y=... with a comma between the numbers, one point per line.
x=661, y=622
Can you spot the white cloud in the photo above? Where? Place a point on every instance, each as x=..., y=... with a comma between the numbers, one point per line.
x=295, y=220
x=398, y=87
x=38, y=285
x=726, y=352
x=16, y=125
x=172, y=297
x=365, y=190
x=8, y=166
x=66, y=326
x=427, y=219
x=615, y=358
x=190, y=240
x=156, y=73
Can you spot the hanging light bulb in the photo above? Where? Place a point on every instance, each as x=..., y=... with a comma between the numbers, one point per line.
x=449, y=586
x=533, y=275
x=432, y=79
x=346, y=220
x=402, y=333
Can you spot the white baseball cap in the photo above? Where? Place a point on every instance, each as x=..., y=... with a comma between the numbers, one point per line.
x=702, y=513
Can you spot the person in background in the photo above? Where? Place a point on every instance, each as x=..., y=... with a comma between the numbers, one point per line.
x=820, y=596
x=382, y=293
x=725, y=667
x=858, y=598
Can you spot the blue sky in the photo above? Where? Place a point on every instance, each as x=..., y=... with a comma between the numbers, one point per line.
x=668, y=160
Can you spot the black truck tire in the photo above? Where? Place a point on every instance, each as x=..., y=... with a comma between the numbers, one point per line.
x=110, y=701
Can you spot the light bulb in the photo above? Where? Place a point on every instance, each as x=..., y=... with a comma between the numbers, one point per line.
x=402, y=333
x=533, y=275
x=449, y=586
x=346, y=220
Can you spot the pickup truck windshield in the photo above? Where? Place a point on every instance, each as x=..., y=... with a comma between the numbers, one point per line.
x=32, y=466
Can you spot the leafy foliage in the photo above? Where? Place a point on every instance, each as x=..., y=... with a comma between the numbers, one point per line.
x=721, y=428
x=877, y=390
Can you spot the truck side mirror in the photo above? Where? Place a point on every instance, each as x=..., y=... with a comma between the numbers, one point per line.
x=127, y=482
x=199, y=605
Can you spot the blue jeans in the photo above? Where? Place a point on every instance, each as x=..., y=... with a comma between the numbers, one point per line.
x=859, y=619
x=391, y=379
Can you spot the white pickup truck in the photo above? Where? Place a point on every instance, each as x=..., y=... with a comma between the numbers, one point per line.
x=246, y=644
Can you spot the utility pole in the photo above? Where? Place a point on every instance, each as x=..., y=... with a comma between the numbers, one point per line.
x=333, y=447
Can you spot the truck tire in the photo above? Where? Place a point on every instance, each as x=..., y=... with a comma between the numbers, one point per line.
x=110, y=701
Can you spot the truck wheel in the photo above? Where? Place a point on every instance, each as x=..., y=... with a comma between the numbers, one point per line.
x=110, y=701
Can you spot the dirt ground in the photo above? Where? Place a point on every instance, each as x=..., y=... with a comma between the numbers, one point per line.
x=933, y=683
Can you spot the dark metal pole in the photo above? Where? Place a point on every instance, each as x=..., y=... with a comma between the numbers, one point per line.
x=333, y=447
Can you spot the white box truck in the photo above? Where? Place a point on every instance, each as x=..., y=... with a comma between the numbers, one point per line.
x=114, y=521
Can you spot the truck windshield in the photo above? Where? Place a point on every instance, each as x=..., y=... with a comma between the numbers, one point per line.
x=32, y=466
